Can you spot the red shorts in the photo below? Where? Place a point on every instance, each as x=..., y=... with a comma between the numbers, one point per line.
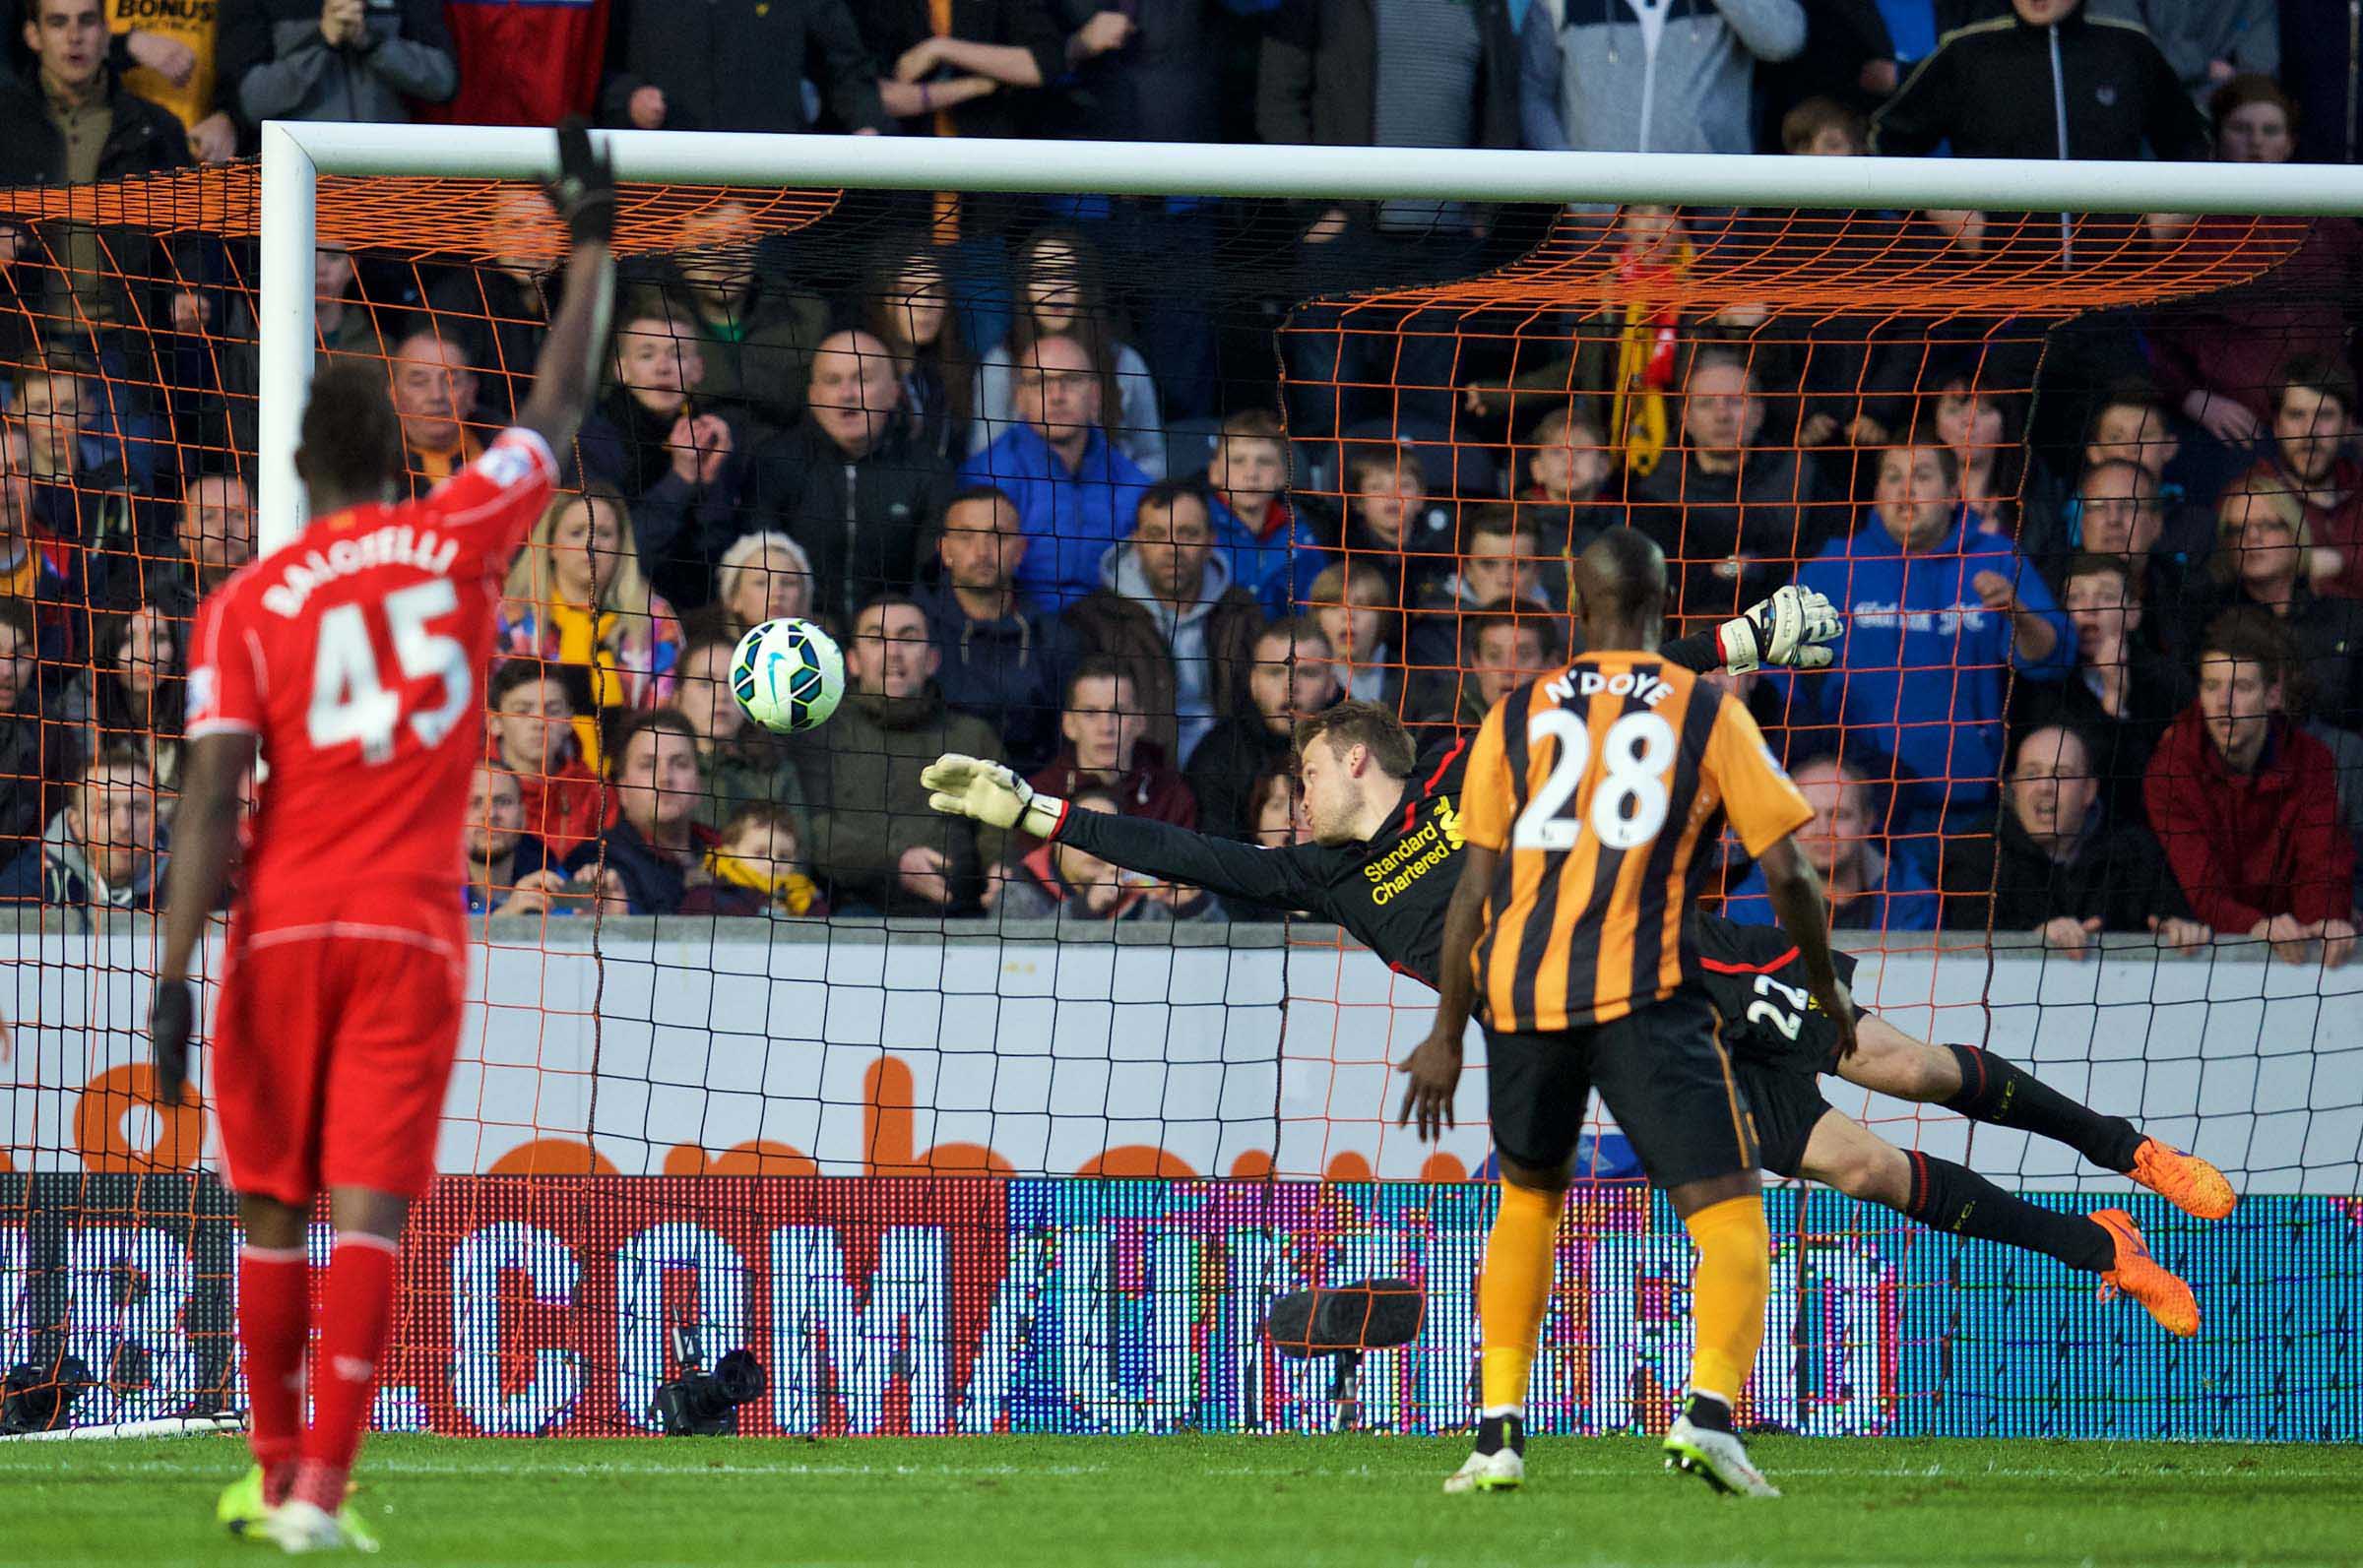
x=332, y=1052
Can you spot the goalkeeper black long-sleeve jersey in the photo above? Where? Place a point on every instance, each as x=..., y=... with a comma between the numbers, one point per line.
x=1388, y=889
x=1390, y=892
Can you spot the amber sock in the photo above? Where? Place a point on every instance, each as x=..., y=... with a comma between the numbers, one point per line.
x=1728, y=1292
x=1515, y=1291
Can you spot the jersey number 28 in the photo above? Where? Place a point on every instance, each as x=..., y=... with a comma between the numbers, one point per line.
x=1629, y=805
x=349, y=701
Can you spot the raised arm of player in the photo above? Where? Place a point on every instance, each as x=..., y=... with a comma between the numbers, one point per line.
x=566, y=376
x=1796, y=892
x=205, y=844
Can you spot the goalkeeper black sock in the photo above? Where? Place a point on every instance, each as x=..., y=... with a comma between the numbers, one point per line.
x=1955, y=1199
x=2008, y=1096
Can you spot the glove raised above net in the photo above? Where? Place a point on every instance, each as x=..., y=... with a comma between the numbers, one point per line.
x=584, y=193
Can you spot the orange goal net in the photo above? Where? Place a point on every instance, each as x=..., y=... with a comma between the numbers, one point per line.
x=966, y=1132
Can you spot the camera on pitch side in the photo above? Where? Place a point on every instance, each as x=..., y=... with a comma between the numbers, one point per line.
x=703, y=1403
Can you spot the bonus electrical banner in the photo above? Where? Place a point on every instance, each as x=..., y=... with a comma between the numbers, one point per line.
x=975, y=1305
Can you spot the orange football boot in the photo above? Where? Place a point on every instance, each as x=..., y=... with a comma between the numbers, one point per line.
x=2187, y=1181
x=2164, y=1296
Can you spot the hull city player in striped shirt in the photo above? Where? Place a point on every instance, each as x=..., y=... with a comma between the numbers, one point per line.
x=1593, y=802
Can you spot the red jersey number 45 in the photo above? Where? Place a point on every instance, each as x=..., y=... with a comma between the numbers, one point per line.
x=350, y=703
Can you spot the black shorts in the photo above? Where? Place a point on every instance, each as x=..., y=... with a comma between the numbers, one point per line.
x=1783, y=1081
x=1661, y=1071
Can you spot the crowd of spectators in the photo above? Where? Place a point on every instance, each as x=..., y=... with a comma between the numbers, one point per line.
x=2103, y=668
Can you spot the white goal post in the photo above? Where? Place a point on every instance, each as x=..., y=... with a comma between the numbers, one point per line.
x=296, y=154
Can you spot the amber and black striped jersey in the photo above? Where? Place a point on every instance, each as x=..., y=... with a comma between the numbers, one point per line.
x=1601, y=786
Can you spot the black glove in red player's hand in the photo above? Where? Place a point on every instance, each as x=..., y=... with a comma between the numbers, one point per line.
x=171, y=1015
x=584, y=193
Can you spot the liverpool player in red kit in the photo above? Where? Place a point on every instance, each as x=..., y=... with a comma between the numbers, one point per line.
x=351, y=660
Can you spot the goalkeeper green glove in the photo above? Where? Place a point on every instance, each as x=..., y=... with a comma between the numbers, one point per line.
x=986, y=791
x=1790, y=630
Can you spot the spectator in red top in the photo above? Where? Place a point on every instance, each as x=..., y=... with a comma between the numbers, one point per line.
x=1104, y=751
x=2312, y=453
x=524, y=64
x=532, y=738
x=2247, y=803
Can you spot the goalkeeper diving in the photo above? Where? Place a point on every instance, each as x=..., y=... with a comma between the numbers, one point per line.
x=1384, y=862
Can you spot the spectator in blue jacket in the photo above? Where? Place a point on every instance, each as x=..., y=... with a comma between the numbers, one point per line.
x=1001, y=657
x=1274, y=553
x=1075, y=493
x=103, y=851
x=1871, y=886
x=1939, y=617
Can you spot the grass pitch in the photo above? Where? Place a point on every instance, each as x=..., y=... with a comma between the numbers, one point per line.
x=1342, y=1500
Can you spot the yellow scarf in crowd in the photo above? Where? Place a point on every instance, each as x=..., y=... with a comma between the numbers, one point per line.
x=792, y=891
x=583, y=642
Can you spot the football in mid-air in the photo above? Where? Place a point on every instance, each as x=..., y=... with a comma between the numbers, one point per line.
x=788, y=674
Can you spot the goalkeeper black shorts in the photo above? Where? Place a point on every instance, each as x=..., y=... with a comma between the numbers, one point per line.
x=1782, y=1080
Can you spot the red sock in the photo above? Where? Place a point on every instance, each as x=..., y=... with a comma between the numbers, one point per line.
x=355, y=1316
x=274, y=1287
